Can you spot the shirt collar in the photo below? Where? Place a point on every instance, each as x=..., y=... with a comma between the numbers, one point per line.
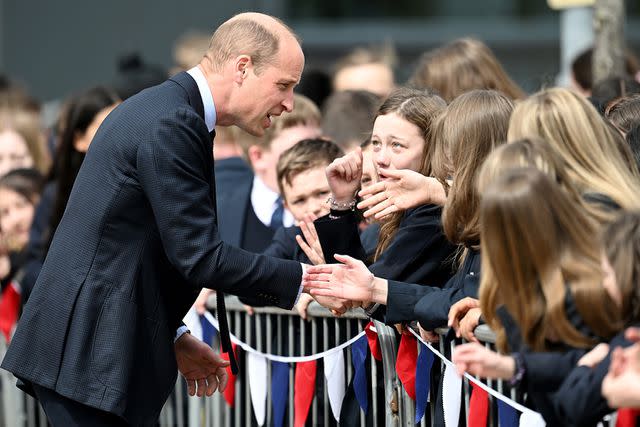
x=207, y=98
x=263, y=201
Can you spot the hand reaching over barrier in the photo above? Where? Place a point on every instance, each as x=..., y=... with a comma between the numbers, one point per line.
x=401, y=190
x=344, y=175
x=310, y=244
x=464, y=316
x=476, y=359
x=350, y=280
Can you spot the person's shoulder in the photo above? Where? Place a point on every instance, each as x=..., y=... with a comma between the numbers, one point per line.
x=425, y=211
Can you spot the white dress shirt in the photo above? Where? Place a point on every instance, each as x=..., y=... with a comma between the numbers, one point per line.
x=265, y=202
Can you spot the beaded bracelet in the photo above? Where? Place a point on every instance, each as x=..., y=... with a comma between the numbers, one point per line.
x=341, y=206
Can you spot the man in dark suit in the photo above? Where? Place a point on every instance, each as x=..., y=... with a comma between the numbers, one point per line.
x=101, y=338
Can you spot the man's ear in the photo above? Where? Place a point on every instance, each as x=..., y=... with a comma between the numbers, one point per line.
x=241, y=68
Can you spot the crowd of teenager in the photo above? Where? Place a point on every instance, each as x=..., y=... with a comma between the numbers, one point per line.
x=452, y=200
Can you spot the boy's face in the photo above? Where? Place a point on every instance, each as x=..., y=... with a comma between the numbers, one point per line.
x=307, y=194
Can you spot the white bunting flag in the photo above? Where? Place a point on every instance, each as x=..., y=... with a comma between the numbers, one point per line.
x=334, y=373
x=257, y=373
x=451, y=396
x=531, y=419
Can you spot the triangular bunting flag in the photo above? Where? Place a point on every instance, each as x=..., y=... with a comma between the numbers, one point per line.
x=305, y=385
x=507, y=415
x=208, y=331
x=372, y=338
x=279, y=391
x=257, y=373
x=478, y=407
x=531, y=419
x=358, y=357
x=451, y=396
x=406, y=363
x=9, y=310
x=193, y=322
x=230, y=392
x=423, y=380
x=334, y=374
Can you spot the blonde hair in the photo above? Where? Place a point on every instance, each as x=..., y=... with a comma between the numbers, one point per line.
x=466, y=132
x=583, y=140
x=26, y=123
x=460, y=66
x=536, y=246
x=420, y=108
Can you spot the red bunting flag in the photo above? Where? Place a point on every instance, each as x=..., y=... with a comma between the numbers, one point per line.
x=478, y=407
x=406, y=363
x=305, y=387
x=627, y=417
x=230, y=391
x=9, y=310
x=374, y=344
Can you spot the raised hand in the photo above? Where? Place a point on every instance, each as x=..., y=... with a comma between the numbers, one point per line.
x=203, y=370
x=403, y=189
x=350, y=280
x=344, y=174
x=476, y=359
x=310, y=244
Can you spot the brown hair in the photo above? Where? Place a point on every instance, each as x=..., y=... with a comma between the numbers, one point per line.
x=305, y=155
x=589, y=148
x=624, y=113
x=536, y=246
x=621, y=241
x=348, y=115
x=460, y=66
x=244, y=35
x=419, y=107
x=468, y=130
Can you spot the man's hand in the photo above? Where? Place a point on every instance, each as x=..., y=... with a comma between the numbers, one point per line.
x=203, y=370
x=344, y=174
x=350, y=280
x=303, y=304
x=404, y=189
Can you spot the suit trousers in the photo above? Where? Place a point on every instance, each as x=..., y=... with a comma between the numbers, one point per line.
x=64, y=412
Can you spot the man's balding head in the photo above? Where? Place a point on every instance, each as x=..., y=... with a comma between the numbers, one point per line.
x=256, y=35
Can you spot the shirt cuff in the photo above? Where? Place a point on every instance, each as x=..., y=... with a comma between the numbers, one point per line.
x=181, y=331
x=304, y=270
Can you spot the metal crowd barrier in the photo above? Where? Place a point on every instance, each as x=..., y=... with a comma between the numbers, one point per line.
x=283, y=332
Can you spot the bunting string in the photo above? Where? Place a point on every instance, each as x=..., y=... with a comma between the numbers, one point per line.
x=485, y=387
x=285, y=359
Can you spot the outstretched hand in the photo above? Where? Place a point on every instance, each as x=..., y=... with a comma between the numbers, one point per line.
x=350, y=280
x=204, y=370
x=403, y=189
x=344, y=175
x=464, y=316
x=310, y=244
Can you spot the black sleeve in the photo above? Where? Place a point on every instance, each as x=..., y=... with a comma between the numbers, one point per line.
x=546, y=371
x=340, y=235
x=174, y=169
x=579, y=400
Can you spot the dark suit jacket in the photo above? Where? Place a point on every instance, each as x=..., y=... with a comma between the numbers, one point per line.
x=137, y=242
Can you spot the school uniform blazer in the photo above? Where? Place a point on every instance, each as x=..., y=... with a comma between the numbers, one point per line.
x=137, y=242
x=234, y=180
x=419, y=252
x=579, y=400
